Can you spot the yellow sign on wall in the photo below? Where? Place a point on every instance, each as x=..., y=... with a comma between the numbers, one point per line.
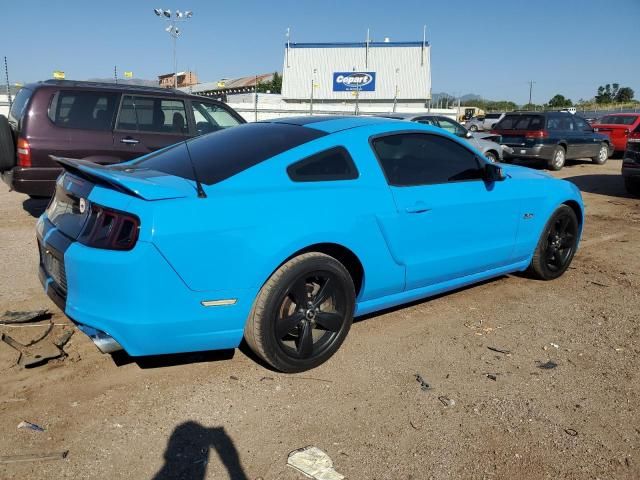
x=58, y=75
x=128, y=74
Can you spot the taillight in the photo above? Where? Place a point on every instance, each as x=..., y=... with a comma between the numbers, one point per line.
x=110, y=229
x=537, y=134
x=23, y=153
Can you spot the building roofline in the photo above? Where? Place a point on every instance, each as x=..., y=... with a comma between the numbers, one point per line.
x=357, y=44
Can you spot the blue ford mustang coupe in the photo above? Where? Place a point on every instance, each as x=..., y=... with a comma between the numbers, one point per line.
x=282, y=231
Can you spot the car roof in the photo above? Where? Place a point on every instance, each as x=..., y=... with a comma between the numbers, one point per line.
x=332, y=123
x=114, y=87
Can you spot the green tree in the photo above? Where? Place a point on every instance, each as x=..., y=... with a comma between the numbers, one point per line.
x=559, y=101
x=272, y=86
x=532, y=107
x=624, y=95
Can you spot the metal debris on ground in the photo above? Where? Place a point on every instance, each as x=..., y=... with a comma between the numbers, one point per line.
x=10, y=317
x=30, y=426
x=492, y=376
x=547, y=365
x=31, y=457
x=571, y=431
x=446, y=401
x=314, y=463
x=500, y=350
x=424, y=385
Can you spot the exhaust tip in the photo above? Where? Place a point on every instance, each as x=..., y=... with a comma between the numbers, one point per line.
x=105, y=342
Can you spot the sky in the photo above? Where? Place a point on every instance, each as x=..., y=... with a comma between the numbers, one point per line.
x=490, y=48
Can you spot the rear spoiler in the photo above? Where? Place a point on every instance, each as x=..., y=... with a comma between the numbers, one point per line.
x=142, y=183
x=91, y=171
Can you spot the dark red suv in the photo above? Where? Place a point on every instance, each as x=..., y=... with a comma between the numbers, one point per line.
x=101, y=122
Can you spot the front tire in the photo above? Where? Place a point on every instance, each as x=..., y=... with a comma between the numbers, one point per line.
x=473, y=128
x=302, y=314
x=603, y=155
x=491, y=156
x=558, y=159
x=556, y=246
x=632, y=185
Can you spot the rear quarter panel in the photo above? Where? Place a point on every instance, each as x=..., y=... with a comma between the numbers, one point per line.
x=252, y=222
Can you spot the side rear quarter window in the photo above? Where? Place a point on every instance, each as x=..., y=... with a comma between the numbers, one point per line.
x=424, y=159
x=329, y=165
x=83, y=110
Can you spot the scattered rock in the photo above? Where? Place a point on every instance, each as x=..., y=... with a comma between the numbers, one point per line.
x=10, y=317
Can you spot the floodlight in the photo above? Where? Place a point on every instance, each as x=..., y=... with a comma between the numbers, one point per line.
x=157, y=11
x=167, y=13
x=188, y=14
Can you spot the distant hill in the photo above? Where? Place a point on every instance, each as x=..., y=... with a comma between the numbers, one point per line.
x=464, y=98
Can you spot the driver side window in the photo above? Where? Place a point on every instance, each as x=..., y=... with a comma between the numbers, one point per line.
x=411, y=159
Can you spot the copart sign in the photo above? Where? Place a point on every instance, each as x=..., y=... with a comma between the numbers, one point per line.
x=351, y=81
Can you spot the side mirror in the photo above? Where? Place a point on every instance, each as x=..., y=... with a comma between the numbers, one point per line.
x=493, y=173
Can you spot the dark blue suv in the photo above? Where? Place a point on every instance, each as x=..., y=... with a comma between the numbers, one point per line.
x=552, y=136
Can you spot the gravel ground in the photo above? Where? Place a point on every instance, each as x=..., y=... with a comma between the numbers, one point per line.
x=224, y=415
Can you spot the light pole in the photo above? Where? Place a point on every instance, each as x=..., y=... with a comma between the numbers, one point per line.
x=174, y=32
x=313, y=85
x=395, y=95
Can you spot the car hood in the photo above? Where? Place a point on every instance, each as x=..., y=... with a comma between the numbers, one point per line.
x=142, y=183
x=516, y=171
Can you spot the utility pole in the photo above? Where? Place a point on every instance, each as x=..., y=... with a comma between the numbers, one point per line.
x=115, y=73
x=531, y=82
x=255, y=105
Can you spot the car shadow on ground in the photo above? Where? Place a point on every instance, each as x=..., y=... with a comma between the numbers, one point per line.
x=611, y=185
x=121, y=358
x=35, y=206
x=189, y=449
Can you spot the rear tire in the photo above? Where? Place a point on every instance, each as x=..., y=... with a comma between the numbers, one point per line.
x=7, y=147
x=603, y=155
x=556, y=246
x=302, y=314
x=558, y=159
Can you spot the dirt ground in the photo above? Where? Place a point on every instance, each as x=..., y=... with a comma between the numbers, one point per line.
x=224, y=415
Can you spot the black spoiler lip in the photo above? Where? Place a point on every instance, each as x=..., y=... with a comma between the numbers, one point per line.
x=75, y=166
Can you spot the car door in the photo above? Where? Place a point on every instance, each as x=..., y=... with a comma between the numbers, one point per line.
x=147, y=123
x=589, y=144
x=450, y=223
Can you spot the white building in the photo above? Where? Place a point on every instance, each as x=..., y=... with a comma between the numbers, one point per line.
x=369, y=72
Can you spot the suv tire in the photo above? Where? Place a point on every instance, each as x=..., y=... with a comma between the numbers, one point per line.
x=632, y=185
x=603, y=154
x=310, y=293
x=558, y=159
x=7, y=147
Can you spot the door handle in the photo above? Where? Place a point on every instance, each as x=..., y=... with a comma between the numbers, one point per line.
x=419, y=207
x=129, y=141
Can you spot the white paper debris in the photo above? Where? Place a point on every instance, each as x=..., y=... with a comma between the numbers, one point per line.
x=314, y=463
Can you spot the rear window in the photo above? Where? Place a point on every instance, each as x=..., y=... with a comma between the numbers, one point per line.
x=493, y=115
x=83, y=110
x=618, y=119
x=521, y=122
x=19, y=104
x=220, y=155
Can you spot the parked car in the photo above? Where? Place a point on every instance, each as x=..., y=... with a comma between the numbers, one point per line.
x=485, y=122
x=282, y=231
x=487, y=143
x=101, y=122
x=552, y=136
x=618, y=127
x=631, y=163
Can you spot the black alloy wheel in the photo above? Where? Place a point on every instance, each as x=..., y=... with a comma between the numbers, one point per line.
x=311, y=314
x=557, y=245
x=302, y=313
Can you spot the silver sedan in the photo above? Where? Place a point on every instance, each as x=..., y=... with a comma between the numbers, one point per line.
x=487, y=143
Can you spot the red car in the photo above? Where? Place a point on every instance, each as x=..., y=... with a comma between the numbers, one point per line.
x=617, y=127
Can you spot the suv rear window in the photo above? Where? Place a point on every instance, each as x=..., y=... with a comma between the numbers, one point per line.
x=223, y=154
x=618, y=119
x=520, y=122
x=19, y=105
x=493, y=115
x=83, y=110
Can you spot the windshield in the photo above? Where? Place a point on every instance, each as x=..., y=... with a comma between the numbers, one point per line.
x=521, y=122
x=618, y=119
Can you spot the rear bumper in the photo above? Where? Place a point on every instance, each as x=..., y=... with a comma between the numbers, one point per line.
x=36, y=181
x=544, y=152
x=135, y=300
